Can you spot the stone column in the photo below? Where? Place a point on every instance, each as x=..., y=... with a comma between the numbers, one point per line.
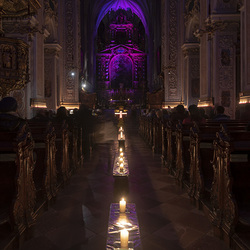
x=172, y=84
x=206, y=59
x=51, y=75
x=71, y=54
x=245, y=52
x=191, y=73
x=218, y=39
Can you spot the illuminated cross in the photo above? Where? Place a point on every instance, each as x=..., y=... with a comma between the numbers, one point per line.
x=121, y=114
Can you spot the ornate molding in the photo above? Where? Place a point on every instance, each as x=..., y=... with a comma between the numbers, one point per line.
x=192, y=9
x=69, y=53
x=173, y=43
x=190, y=50
x=51, y=19
x=14, y=69
x=17, y=8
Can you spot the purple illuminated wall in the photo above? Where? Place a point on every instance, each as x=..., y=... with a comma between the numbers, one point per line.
x=123, y=4
x=121, y=72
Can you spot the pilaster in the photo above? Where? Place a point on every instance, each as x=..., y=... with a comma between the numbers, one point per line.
x=191, y=73
x=51, y=75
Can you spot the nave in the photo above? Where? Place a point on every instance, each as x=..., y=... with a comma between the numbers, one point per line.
x=79, y=217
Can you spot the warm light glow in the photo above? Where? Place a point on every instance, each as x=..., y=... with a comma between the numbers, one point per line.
x=203, y=104
x=121, y=168
x=121, y=159
x=120, y=149
x=121, y=114
x=121, y=154
x=124, y=238
x=70, y=105
x=40, y=106
x=121, y=135
x=123, y=221
x=35, y=103
x=122, y=205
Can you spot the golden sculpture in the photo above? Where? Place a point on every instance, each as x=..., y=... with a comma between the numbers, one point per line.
x=14, y=71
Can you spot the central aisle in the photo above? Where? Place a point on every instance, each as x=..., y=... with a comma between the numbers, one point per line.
x=79, y=217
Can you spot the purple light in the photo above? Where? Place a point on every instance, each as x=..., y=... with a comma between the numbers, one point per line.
x=122, y=4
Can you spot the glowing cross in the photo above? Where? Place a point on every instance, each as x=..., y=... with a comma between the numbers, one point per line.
x=121, y=114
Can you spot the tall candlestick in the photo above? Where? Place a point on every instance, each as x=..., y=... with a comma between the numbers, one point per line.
x=122, y=205
x=124, y=238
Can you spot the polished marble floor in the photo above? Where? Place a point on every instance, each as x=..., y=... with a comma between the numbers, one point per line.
x=79, y=217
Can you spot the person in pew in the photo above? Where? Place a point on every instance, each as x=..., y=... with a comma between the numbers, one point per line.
x=41, y=115
x=9, y=118
x=220, y=116
x=178, y=114
x=203, y=113
x=194, y=116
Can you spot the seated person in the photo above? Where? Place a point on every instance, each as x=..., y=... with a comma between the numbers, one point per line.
x=9, y=119
x=219, y=115
x=194, y=116
x=178, y=114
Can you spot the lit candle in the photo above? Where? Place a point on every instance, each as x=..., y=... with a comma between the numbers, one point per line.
x=121, y=134
x=121, y=167
x=122, y=205
x=120, y=149
x=121, y=159
x=124, y=238
x=121, y=154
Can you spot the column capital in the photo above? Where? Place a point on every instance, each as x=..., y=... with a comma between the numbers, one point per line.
x=52, y=49
x=190, y=49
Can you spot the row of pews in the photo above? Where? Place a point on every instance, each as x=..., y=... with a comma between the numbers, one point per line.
x=36, y=160
x=212, y=162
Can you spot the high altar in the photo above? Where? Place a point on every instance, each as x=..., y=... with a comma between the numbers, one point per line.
x=121, y=60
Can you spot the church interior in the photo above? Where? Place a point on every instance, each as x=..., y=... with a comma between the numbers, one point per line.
x=124, y=124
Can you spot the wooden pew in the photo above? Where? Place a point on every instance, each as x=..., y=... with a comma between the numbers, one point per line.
x=183, y=158
x=164, y=142
x=171, y=147
x=201, y=157
x=18, y=193
x=79, y=147
x=45, y=172
x=157, y=135
x=230, y=196
x=62, y=151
